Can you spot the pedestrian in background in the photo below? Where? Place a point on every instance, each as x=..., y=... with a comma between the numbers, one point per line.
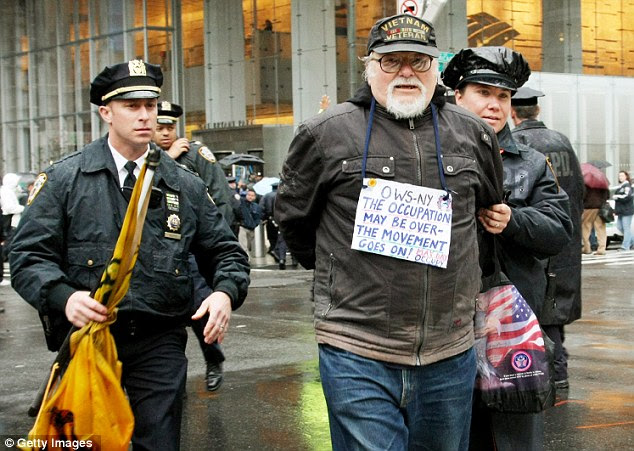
x=484, y=79
x=593, y=200
x=11, y=209
x=250, y=218
x=267, y=204
x=395, y=336
x=563, y=301
x=69, y=231
x=624, y=209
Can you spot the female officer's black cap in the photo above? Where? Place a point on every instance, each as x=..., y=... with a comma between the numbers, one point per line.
x=134, y=79
x=493, y=66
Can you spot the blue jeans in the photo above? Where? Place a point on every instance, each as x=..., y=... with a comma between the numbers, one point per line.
x=376, y=405
x=624, y=224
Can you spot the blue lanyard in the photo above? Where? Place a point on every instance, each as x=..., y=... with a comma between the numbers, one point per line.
x=368, y=131
x=366, y=147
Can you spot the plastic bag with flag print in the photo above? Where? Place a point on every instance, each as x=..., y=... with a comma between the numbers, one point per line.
x=514, y=356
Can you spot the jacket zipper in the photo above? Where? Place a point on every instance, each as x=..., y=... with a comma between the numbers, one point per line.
x=423, y=310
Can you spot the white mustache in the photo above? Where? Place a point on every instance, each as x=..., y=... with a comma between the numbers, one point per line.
x=405, y=81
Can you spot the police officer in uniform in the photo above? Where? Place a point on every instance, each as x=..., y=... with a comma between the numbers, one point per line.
x=194, y=155
x=70, y=228
x=563, y=303
x=484, y=80
x=198, y=158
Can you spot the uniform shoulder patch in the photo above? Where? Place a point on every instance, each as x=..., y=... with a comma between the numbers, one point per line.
x=37, y=187
x=207, y=154
x=550, y=166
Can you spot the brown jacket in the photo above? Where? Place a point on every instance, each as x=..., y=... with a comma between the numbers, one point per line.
x=375, y=306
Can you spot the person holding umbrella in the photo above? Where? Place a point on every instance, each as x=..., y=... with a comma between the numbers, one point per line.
x=69, y=230
x=596, y=194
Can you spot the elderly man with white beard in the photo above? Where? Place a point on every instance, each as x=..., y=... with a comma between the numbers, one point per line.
x=392, y=198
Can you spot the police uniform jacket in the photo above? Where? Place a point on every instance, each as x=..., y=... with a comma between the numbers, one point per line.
x=380, y=307
x=203, y=162
x=565, y=306
x=540, y=224
x=69, y=232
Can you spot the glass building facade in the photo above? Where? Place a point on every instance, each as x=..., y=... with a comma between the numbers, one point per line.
x=233, y=64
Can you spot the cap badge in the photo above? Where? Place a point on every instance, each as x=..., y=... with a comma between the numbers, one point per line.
x=166, y=106
x=137, y=67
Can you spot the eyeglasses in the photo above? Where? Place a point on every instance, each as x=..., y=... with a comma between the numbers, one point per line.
x=156, y=196
x=392, y=63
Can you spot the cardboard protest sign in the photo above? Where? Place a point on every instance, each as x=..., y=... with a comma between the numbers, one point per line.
x=403, y=221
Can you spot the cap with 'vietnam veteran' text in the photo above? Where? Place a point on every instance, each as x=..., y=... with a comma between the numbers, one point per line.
x=403, y=33
x=134, y=79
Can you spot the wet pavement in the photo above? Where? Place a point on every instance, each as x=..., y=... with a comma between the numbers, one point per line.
x=271, y=397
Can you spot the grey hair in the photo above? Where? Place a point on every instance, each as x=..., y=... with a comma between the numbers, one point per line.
x=366, y=62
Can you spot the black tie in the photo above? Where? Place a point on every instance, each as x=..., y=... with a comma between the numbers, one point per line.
x=130, y=179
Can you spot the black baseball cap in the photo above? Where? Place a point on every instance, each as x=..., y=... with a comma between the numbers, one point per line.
x=403, y=33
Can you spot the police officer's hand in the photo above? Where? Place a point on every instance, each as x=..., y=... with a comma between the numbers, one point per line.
x=81, y=308
x=218, y=305
x=178, y=147
x=495, y=218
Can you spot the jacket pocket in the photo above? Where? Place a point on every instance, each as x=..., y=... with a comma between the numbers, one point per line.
x=174, y=280
x=461, y=175
x=86, y=264
x=377, y=165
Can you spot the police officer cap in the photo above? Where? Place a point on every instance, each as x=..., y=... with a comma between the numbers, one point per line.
x=493, y=66
x=135, y=79
x=403, y=33
x=168, y=113
x=526, y=96
x=231, y=179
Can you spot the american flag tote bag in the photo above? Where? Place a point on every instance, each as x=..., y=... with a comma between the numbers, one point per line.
x=514, y=357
